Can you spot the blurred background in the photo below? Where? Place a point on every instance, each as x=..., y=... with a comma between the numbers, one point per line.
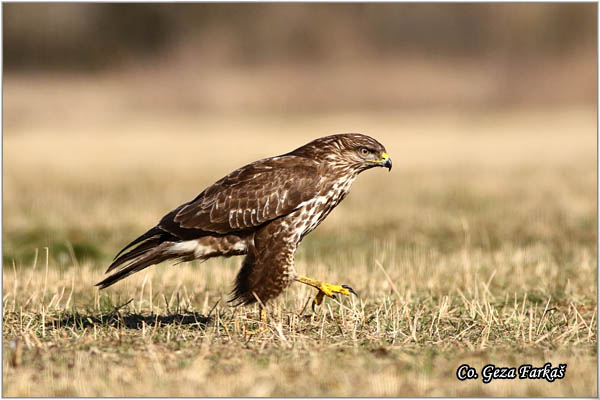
x=317, y=57
x=116, y=113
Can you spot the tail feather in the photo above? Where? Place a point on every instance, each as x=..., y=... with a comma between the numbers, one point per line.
x=156, y=231
x=134, y=253
x=151, y=249
x=146, y=259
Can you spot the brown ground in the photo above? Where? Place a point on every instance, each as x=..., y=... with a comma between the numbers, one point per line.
x=479, y=247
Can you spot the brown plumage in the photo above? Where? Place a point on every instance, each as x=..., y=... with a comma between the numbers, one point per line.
x=262, y=210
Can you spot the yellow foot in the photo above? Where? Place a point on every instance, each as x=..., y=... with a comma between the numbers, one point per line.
x=325, y=289
x=262, y=325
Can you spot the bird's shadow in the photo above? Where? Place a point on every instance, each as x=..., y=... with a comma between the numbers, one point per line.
x=127, y=320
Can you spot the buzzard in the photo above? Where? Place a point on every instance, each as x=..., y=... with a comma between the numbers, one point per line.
x=262, y=211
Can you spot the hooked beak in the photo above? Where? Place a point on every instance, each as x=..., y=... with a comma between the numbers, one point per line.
x=385, y=161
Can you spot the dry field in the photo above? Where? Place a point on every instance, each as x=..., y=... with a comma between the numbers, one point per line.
x=479, y=247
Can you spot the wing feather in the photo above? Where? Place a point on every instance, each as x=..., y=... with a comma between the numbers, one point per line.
x=249, y=197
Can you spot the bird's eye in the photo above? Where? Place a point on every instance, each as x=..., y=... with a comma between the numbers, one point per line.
x=364, y=151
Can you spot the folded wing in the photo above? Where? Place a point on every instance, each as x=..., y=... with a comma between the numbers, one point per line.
x=248, y=197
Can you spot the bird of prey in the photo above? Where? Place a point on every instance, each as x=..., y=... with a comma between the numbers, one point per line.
x=261, y=210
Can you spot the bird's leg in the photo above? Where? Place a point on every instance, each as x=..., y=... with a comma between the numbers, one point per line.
x=325, y=289
x=262, y=324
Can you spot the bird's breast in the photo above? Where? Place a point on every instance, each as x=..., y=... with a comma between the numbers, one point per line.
x=314, y=211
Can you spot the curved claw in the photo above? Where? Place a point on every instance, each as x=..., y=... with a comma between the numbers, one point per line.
x=350, y=290
x=325, y=289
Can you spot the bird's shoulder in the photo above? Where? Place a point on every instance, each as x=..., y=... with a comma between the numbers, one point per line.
x=284, y=166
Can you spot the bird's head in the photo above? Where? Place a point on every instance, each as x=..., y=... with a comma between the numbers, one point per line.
x=353, y=151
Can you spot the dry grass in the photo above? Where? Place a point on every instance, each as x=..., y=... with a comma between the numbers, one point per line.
x=479, y=247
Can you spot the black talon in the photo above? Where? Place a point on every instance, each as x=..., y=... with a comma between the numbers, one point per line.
x=350, y=290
